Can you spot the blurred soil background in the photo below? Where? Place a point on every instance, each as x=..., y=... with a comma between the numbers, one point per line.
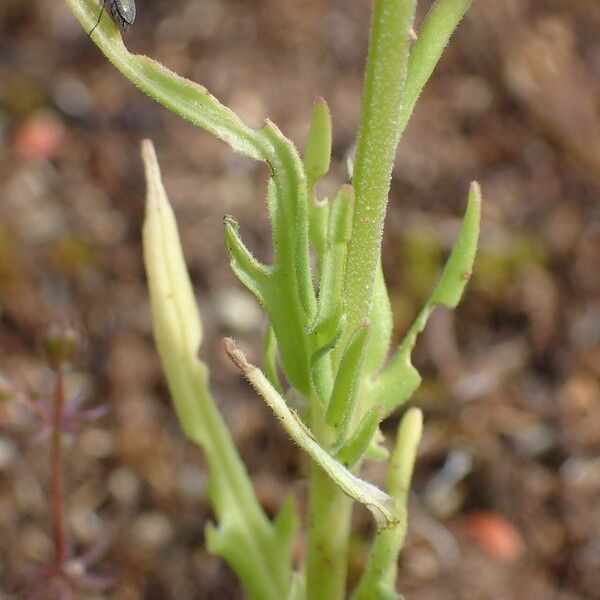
x=506, y=503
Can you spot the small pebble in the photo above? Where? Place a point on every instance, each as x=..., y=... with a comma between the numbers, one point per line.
x=86, y=525
x=97, y=443
x=152, y=530
x=496, y=535
x=124, y=486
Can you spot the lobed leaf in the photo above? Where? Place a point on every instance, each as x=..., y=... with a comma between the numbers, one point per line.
x=400, y=379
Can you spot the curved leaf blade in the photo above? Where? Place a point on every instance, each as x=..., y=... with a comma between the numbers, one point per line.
x=377, y=501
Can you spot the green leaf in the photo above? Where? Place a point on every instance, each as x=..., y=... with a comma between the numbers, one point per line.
x=256, y=276
x=289, y=217
x=330, y=306
x=342, y=404
x=317, y=155
x=288, y=191
x=439, y=25
x=276, y=289
x=380, y=571
x=400, y=379
x=185, y=98
x=358, y=443
x=257, y=550
x=378, y=502
x=381, y=323
x=317, y=158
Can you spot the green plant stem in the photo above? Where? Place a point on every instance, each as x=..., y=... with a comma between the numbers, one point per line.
x=376, y=147
x=329, y=513
x=329, y=520
x=329, y=510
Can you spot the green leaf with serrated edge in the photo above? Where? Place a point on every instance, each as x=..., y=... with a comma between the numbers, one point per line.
x=439, y=25
x=244, y=530
x=399, y=379
x=290, y=206
x=380, y=571
x=270, y=359
x=377, y=501
x=342, y=403
x=358, y=443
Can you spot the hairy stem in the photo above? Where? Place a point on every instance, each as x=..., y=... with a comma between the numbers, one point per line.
x=376, y=147
x=329, y=511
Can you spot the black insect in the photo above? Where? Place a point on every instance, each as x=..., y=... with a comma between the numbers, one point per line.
x=122, y=11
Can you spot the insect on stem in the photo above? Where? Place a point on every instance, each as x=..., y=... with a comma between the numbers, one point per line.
x=122, y=12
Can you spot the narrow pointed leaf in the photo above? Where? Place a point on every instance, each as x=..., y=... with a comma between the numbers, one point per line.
x=245, y=538
x=177, y=326
x=439, y=25
x=400, y=379
x=380, y=572
x=352, y=451
x=330, y=306
x=317, y=155
x=377, y=501
x=342, y=404
x=381, y=323
x=187, y=99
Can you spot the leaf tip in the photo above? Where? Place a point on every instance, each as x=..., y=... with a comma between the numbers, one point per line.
x=236, y=355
